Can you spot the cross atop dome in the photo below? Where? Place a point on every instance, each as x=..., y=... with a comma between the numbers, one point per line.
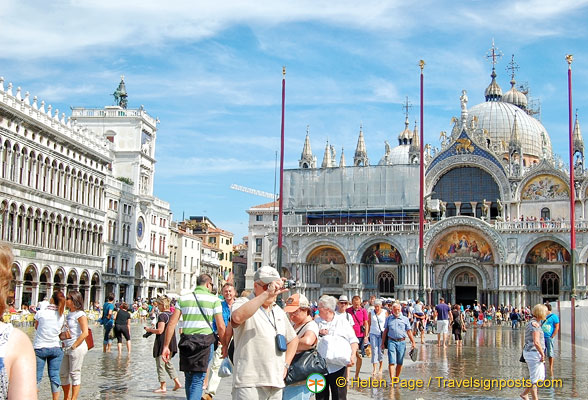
x=494, y=54
x=512, y=66
x=406, y=107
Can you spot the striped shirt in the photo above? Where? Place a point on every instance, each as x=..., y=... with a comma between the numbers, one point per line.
x=194, y=322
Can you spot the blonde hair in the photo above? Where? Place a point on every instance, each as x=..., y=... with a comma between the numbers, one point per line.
x=6, y=259
x=540, y=312
x=165, y=301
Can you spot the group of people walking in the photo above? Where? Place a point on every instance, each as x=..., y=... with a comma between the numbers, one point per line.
x=253, y=338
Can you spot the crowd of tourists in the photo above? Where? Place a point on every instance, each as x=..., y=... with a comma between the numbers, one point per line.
x=224, y=335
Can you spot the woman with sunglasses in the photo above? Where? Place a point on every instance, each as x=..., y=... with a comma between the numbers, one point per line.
x=75, y=347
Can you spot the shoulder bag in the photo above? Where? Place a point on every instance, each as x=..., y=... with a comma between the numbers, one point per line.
x=65, y=334
x=90, y=340
x=306, y=363
x=216, y=338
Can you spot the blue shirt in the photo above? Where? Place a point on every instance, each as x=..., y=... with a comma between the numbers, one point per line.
x=442, y=311
x=226, y=315
x=106, y=308
x=397, y=327
x=548, y=325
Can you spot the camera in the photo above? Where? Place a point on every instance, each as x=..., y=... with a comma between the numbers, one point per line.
x=289, y=284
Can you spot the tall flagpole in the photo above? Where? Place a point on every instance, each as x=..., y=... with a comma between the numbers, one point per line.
x=569, y=59
x=421, y=200
x=280, y=199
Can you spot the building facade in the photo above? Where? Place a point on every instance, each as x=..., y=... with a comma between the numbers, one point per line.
x=497, y=209
x=77, y=201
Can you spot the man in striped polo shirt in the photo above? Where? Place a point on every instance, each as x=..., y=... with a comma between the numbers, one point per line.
x=197, y=336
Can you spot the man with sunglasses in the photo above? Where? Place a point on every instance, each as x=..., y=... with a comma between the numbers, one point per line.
x=265, y=341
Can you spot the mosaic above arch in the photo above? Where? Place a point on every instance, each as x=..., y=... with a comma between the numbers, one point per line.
x=545, y=187
x=325, y=255
x=462, y=243
x=547, y=252
x=381, y=253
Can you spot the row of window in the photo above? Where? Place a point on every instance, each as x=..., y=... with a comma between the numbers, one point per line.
x=35, y=171
x=113, y=205
x=161, y=249
x=111, y=265
x=49, y=232
x=161, y=275
x=113, y=233
x=162, y=221
x=259, y=218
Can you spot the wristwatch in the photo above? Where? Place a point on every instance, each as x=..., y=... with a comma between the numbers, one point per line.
x=286, y=365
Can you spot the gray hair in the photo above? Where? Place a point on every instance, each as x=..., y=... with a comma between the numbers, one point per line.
x=329, y=302
x=377, y=302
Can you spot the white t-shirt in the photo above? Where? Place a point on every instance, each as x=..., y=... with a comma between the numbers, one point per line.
x=418, y=308
x=310, y=326
x=257, y=360
x=49, y=327
x=347, y=316
x=375, y=319
x=74, y=326
x=340, y=327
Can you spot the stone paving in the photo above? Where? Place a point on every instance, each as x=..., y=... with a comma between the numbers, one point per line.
x=487, y=353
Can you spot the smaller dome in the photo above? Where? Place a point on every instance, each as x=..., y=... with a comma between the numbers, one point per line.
x=398, y=155
x=493, y=91
x=405, y=137
x=515, y=97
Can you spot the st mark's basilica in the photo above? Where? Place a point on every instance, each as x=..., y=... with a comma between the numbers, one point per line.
x=497, y=213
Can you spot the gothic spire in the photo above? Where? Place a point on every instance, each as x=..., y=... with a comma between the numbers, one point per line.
x=578, y=141
x=360, y=158
x=342, y=162
x=515, y=137
x=307, y=160
x=327, y=157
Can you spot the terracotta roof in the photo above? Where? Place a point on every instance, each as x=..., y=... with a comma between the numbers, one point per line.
x=267, y=205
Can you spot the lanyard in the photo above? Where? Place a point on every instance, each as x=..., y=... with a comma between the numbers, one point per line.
x=268, y=318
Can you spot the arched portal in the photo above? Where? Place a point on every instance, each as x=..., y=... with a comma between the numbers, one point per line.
x=464, y=285
x=94, y=288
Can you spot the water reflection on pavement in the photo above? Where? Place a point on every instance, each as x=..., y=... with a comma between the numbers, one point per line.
x=487, y=353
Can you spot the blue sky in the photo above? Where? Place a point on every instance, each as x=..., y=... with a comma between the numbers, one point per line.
x=211, y=72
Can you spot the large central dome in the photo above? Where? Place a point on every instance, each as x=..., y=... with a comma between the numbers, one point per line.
x=497, y=117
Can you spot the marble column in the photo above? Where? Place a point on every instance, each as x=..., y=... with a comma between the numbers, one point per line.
x=35, y=293
x=18, y=294
x=86, y=292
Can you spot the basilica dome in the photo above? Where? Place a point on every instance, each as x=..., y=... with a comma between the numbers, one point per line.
x=497, y=117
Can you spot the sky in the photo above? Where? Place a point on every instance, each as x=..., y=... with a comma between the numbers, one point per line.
x=211, y=72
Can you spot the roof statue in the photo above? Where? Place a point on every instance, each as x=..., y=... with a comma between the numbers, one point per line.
x=464, y=104
x=120, y=94
x=387, y=147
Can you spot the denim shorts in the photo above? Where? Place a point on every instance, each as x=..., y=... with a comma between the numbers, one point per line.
x=396, y=351
x=549, y=347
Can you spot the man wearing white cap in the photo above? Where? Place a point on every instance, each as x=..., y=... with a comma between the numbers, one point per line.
x=342, y=305
x=265, y=341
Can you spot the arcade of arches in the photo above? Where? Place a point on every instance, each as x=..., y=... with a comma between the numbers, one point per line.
x=28, y=286
x=463, y=269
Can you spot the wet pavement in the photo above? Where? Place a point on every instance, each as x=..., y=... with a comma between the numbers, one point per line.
x=487, y=353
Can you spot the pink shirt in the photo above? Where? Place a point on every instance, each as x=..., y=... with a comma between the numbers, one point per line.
x=359, y=317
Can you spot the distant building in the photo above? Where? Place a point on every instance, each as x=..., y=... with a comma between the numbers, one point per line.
x=497, y=210
x=76, y=200
x=240, y=264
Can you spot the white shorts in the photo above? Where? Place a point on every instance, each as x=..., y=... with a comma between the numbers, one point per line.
x=443, y=326
x=536, y=367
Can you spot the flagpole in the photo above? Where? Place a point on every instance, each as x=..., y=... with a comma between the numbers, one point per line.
x=280, y=199
x=421, y=199
x=569, y=59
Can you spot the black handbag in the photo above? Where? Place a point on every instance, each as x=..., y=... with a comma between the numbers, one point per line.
x=304, y=364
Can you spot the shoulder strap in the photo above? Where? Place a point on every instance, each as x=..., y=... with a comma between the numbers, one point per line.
x=378, y=321
x=302, y=327
x=202, y=312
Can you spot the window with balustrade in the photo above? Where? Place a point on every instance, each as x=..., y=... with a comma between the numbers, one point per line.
x=464, y=186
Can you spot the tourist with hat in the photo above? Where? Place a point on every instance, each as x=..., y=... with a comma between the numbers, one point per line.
x=265, y=342
x=298, y=309
x=342, y=305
